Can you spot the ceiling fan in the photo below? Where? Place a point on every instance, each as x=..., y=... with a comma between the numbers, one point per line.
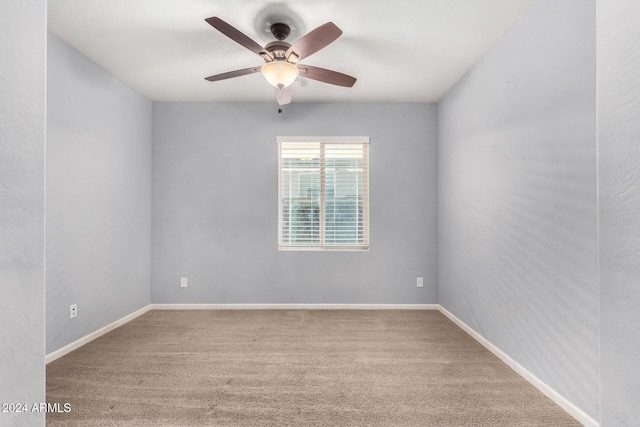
x=281, y=66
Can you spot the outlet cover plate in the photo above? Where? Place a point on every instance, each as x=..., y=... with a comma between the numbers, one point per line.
x=73, y=311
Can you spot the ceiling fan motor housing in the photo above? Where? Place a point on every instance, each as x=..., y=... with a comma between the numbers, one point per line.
x=277, y=48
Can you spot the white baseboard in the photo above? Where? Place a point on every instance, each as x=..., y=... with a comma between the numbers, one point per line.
x=295, y=306
x=560, y=400
x=93, y=335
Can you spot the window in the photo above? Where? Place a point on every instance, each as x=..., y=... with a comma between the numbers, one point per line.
x=323, y=189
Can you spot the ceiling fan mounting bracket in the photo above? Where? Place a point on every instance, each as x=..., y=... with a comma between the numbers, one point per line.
x=278, y=14
x=280, y=31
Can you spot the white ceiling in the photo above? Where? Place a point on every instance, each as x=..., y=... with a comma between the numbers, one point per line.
x=400, y=50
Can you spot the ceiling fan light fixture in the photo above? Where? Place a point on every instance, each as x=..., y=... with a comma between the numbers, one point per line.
x=280, y=73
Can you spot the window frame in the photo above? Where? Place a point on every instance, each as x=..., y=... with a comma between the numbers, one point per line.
x=323, y=140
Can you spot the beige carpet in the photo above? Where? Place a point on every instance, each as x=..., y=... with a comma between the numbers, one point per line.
x=292, y=368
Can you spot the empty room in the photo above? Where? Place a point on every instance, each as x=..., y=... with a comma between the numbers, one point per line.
x=330, y=213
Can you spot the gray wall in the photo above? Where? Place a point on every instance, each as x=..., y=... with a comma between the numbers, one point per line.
x=517, y=198
x=619, y=196
x=215, y=205
x=22, y=141
x=98, y=196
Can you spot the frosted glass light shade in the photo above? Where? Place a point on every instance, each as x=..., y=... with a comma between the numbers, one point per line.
x=280, y=73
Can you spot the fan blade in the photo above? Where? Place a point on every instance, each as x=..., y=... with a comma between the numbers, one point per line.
x=238, y=37
x=283, y=95
x=232, y=74
x=326, y=76
x=313, y=41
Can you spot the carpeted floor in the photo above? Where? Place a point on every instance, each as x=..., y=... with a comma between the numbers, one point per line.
x=292, y=368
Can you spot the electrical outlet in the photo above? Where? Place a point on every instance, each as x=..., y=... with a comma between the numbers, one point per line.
x=183, y=282
x=420, y=282
x=73, y=311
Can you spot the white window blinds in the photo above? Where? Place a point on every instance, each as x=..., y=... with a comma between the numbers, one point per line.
x=323, y=189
